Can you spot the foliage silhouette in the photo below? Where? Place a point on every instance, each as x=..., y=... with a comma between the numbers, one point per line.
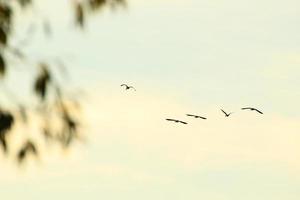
x=56, y=110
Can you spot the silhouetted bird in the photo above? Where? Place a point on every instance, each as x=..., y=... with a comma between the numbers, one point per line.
x=196, y=116
x=127, y=87
x=177, y=121
x=226, y=114
x=252, y=109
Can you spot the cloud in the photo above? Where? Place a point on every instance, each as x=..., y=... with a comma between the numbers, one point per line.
x=137, y=121
x=132, y=146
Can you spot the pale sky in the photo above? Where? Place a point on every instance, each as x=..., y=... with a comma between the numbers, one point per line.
x=183, y=56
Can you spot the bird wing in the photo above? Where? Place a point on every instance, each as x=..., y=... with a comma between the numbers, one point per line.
x=224, y=112
x=172, y=120
x=124, y=85
x=247, y=108
x=258, y=111
x=197, y=116
x=132, y=88
x=250, y=108
x=182, y=122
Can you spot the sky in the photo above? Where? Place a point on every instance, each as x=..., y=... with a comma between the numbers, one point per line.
x=182, y=56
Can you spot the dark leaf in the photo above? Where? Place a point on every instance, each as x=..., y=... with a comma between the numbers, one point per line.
x=24, y=3
x=97, y=4
x=115, y=3
x=41, y=83
x=5, y=12
x=23, y=113
x=2, y=65
x=28, y=147
x=21, y=155
x=6, y=122
x=69, y=129
x=79, y=15
x=3, y=142
x=3, y=37
x=5, y=16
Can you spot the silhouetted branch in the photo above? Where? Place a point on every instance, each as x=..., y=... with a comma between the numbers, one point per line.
x=56, y=111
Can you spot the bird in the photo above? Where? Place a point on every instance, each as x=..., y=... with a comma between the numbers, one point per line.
x=226, y=114
x=252, y=109
x=127, y=87
x=196, y=116
x=177, y=121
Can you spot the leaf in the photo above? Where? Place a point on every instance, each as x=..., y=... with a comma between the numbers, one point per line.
x=115, y=3
x=3, y=37
x=21, y=155
x=41, y=83
x=6, y=122
x=5, y=11
x=79, y=15
x=70, y=128
x=28, y=147
x=97, y=4
x=5, y=16
x=2, y=65
x=24, y=3
x=23, y=113
x=3, y=143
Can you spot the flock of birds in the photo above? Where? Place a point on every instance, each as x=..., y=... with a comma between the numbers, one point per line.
x=127, y=87
x=225, y=113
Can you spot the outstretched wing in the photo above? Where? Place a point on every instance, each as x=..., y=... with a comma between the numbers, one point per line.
x=190, y=115
x=258, y=111
x=196, y=116
x=183, y=122
x=224, y=112
x=250, y=108
x=132, y=88
x=124, y=85
x=171, y=120
x=246, y=108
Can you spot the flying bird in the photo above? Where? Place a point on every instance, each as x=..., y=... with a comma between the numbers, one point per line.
x=127, y=87
x=252, y=109
x=196, y=116
x=176, y=121
x=226, y=114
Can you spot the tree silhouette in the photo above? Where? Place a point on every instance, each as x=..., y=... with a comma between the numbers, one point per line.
x=56, y=112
